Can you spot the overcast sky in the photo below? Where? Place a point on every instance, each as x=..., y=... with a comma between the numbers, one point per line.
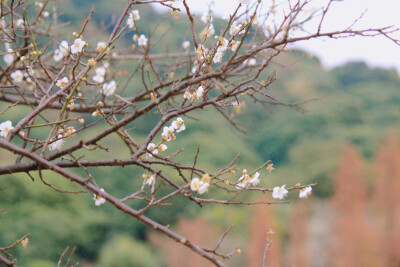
x=375, y=51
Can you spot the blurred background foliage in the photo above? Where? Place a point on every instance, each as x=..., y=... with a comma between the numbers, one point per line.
x=354, y=103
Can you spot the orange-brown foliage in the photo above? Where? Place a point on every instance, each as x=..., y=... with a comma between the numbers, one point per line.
x=352, y=234
x=261, y=220
x=299, y=253
x=386, y=201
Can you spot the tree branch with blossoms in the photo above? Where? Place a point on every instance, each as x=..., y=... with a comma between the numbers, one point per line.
x=75, y=89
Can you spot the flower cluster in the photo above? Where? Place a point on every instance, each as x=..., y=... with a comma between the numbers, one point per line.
x=98, y=200
x=177, y=126
x=61, y=52
x=198, y=93
x=132, y=17
x=57, y=144
x=200, y=186
x=100, y=73
x=281, y=192
x=222, y=47
x=245, y=180
x=237, y=28
x=109, y=88
x=167, y=134
x=9, y=57
x=209, y=30
x=154, y=149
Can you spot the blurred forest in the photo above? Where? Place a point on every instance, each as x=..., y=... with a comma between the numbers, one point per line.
x=344, y=137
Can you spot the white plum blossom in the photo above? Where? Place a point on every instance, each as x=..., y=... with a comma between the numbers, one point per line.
x=219, y=55
x=195, y=184
x=198, y=185
x=242, y=182
x=45, y=14
x=58, y=55
x=19, y=23
x=206, y=18
x=279, y=192
x=132, y=17
x=57, y=144
x=203, y=187
x=98, y=200
x=210, y=30
x=100, y=74
x=235, y=45
x=236, y=28
x=199, y=92
x=135, y=14
x=109, y=88
x=250, y=62
x=5, y=128
x=152, y=148
x=187, y=95
x=100, y=46
x=29, y=82
x=62, y=83
x=98, y=78
x=78, y=46
x=305, y=192
x=223, y=46
x=150, y=180
x=162, y=147
x=101, y=71
x=168, y=133
x=63, y=47
x=62, y=51
x=245, y=180
x=142, y=41
x=17, y=76
x=178, y=125
x=186, y=45
x=255, y=180
x=8, y=59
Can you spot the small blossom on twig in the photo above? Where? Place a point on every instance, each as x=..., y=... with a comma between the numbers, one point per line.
x=186, y=45
x=279, y=192
x=98, y=200
x=142, y=41
x=62, y=83
x=57, y=144
x=5, y=128
x=78, y=46
x=17, y=76
x=305, y=192
x=109, y=88
x=132, y=17
x=152, y=148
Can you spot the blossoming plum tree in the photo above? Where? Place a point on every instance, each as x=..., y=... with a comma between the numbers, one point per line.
x=66, y=84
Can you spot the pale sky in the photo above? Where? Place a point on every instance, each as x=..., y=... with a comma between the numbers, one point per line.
x=375, y=51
